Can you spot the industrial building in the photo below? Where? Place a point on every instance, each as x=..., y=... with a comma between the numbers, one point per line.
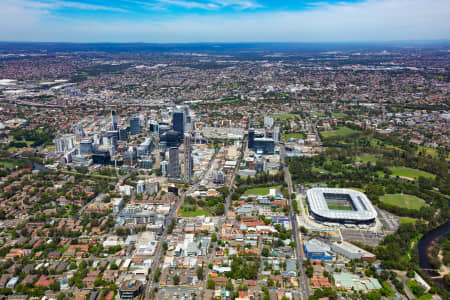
x=315, y=249
x=351, y=251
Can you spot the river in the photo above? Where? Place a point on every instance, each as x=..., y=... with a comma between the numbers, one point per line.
x=425, y=242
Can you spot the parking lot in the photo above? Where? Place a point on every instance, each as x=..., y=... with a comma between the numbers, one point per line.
x=363, y=236
x=389, y=221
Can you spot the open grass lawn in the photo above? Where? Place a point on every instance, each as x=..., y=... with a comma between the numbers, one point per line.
x=410, y=173
x=318, y=115
x=425, y=297
x=367, y=158
x=294, y=135
x=341, y=131
x=284, y=116
x=260, y=191
x=339, y=114
x=339, y=207
x=406, y=220
x=226, y=101
x=6, y=164
x=406, y=201
x=196, y=213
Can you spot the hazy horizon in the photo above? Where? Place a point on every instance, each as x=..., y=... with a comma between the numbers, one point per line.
x=223, y=21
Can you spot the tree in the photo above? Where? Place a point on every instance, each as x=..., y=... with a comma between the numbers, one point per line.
x=157, y=274
x=210, y=284
x=265, y=252
x=176, y=280
x=200, y=273
x=54, y=286
x=229, y=285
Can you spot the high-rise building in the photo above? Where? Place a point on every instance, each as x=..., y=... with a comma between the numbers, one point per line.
x=65, y=143
x=251, y=138
x=86, y=147
x=140, y=187
x=219, y=177
x=178, y=122
x=268, y=122
x=164, y=168
x=276, y=134
x=188, y=161
x=135, y=126
x=113, y=120
x=123, y=134
x=174, y=163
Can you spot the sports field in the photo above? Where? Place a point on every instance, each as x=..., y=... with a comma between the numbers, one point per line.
x=367, y=158
x=402, y=200
x=339, y=207
x=195, y=213
x=283, y=116
x=263, y=191
x=341, y=131
x=410, y=173
x=406, y=220
x=294, y=135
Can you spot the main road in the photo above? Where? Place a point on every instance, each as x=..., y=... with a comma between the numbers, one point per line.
x=169, y=219
x=298, y=243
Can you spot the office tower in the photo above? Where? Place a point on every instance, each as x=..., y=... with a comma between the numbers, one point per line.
x=65, y=143
x=145, y=147
x=140, y=187
x=174, y=163
x=78, y=131
x=164, y=168
x=188, y=161
x=85, y=147
x=154, y=127
x=219, y=177
x=123, y=134
x=251, y=138
x=260, y=165
x=276, y=134
x=135, y=127
x=178, y=122
x=113, y=136
x=268, y=122
x=113, y=120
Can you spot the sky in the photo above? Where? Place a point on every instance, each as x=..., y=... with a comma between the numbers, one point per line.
x=166, y=21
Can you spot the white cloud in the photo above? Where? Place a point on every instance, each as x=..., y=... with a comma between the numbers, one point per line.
x=362, y=21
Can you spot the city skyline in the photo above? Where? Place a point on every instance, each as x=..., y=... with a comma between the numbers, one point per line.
x=223, y=21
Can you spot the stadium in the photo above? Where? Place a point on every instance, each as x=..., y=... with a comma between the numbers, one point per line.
x=340, y=206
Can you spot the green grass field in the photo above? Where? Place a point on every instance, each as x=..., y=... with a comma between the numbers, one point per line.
x=198, y=212
x=367, y=158
x=318, y=115
x=339, y=114
x=283, y=116
x=339, y=207
x=425, y=297
x=341, y=131
x=6, y=164
x=410, y=173
x=294, y=135
x=260, y=191
x=406, y=220
x=406, y=201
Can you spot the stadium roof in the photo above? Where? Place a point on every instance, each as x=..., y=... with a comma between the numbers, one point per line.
x=364, y=210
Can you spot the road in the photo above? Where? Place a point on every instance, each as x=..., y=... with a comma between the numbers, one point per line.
x=298, y=244
x=171, y=216
x=231, y=186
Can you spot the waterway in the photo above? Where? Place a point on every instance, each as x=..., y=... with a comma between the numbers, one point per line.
x=426, y=241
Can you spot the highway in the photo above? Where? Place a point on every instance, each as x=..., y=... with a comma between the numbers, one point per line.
x=298, y=244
